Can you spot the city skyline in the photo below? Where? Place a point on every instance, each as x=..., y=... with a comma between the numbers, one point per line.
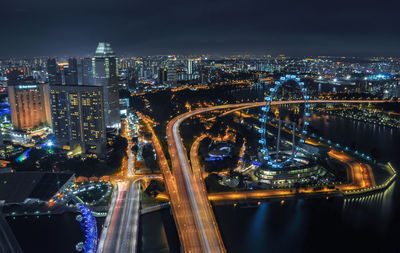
x=199, y=126
x=358, y=28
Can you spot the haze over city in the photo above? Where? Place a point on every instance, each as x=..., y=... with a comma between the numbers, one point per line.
x=139, y=28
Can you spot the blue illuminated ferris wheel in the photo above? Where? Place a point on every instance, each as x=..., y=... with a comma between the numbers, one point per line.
x=89, y=226
x=277, y=161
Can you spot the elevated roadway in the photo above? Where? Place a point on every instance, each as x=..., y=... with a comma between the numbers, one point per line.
x=181, y=209
x=191, y=188
x=121, y=227
x=121, y=232
x=197, y=229
x=131, y=162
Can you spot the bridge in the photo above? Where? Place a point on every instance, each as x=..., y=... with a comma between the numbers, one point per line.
x=181, y=209
x=121, y=227
x=154, y=208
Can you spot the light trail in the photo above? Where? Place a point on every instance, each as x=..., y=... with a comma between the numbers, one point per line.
x=203, y=216
x=131, y=162
x=181, y=208
x=195, y=220
x=120, y=234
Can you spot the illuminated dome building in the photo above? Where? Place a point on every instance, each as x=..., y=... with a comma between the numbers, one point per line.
x=300, y=170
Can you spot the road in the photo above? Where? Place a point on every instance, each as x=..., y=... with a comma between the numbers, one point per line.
x=122, y=231
x=131, y=162
x=360, y=176
x=121, y=227
x=193, y=190
x=194, y=158
x=181, y=209
x=194, y=218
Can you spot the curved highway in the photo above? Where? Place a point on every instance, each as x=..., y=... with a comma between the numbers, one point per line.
x=190, y=188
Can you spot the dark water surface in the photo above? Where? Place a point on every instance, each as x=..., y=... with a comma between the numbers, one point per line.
x=55, y=233
x=366, y=224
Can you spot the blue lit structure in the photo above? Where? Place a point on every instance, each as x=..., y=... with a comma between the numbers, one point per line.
x=380, y=77
x=5, y=111
x=264, y=119
x=89, y=226
x=23, y=156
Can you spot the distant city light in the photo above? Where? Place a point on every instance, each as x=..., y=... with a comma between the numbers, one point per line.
x=49, y=143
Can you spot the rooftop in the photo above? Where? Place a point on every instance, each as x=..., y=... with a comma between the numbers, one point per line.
x=104, y=50
x=17, y=187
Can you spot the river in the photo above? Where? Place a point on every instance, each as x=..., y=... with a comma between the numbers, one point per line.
x=53, y=233
x=369, y=224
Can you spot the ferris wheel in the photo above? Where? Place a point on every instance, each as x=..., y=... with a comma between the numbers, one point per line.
x=276, y=161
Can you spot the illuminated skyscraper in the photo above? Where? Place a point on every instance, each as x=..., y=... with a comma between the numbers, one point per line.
x=15, y=76
x=29, y=102
x=172, y=76
x=53, y=71
x=71, y=73
x=78, y=118
x=190, y=66
x=87, y=71
x=162, y=75
x=105, y=74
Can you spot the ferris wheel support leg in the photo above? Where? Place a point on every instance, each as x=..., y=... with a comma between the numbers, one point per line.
x=279, y=139
x=293, y=138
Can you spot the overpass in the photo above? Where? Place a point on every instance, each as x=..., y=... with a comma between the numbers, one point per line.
x=203, y=234
x=257, y=104
x=181, y=209
x=121, y=227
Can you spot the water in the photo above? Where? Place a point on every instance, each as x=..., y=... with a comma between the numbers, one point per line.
x=364, y=136
x=55, y=233
x=158, y=233
x=366, y=224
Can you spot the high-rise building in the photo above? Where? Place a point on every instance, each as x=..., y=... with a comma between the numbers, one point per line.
x=29, y=102
x=105, y=74
x=53, y=71
x=132, y=78
x=15, y=76
x=63, y=72
x=78, y=118
x=162, y=75
x=87, y=71
x=1, y=138
x=172, y=76
x=71, y=73
x=190, y=66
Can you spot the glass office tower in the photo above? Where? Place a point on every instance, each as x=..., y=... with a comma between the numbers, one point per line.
x=105, y=74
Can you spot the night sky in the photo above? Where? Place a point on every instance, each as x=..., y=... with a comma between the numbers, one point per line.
x=147, y=27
